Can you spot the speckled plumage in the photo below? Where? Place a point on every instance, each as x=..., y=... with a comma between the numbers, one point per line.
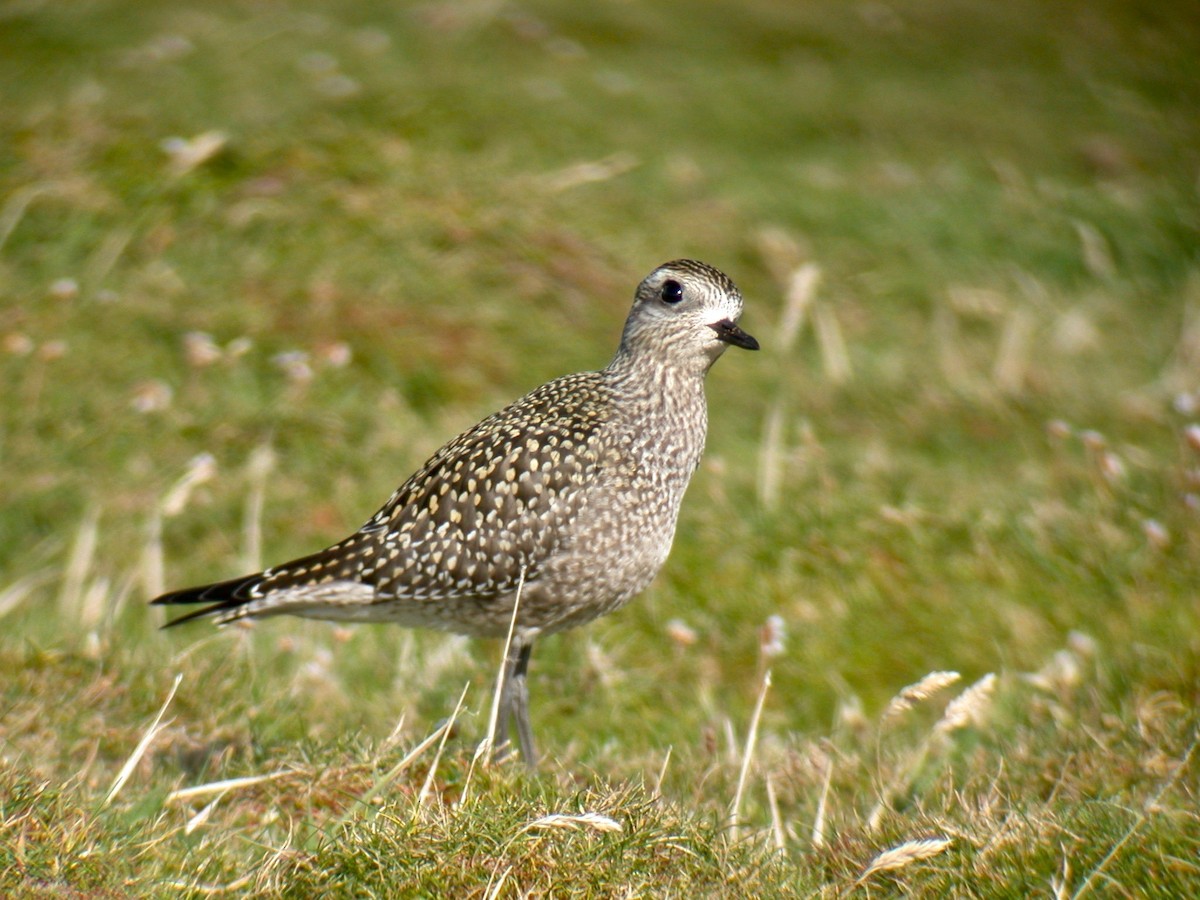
x=575, y=488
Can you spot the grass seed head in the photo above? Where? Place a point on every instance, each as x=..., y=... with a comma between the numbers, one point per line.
x=1156, y=534
x=913, y=694
x=683, y=634
x=905, y=855
x=1191, y=434
x=772, y=637
x=593, y=821
x=969, y=707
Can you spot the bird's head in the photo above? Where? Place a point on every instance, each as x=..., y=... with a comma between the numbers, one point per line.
x=685, y=313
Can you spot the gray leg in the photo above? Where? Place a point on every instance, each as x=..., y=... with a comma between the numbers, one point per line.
x=514, y=703
x=520, y=705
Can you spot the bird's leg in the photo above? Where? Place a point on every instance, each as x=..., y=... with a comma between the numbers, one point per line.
x=514, y=703
x=520, y=706
x=499, y=737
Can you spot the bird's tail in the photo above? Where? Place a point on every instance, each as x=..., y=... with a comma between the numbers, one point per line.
x=223, y=598
x=330, y=579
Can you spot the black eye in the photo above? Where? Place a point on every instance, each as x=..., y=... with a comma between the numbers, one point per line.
x=672, y=292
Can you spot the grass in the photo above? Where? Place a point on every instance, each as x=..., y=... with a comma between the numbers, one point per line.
x=258, y=260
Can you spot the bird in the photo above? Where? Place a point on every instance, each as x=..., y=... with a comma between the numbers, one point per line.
x=552, y=512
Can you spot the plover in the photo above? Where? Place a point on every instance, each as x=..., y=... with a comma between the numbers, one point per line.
x=563, y=503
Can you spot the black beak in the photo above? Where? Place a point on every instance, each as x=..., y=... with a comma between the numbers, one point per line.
x=728, y=332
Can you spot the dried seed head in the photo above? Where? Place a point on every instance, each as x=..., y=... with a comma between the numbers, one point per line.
x=1058, y=429
x=336, y=355
x=771, y=637
x=1191, y=434
x=801, y=291
x=200, y=350
x=913, y=694
x=151, y=396
x=201, y=468
x=239, y=346
x=850, y=713
x=1062, y=672
x=681, y=633
x=187, y=154
x=52, y=350
x=64, y=289
x=295, y=366
x=904, y=855
x=594, y=821
x=1112, y=467
x=18, y=344
x=1082, y=645
x=1156, y=533
x=969, y=707
x=1186, y=404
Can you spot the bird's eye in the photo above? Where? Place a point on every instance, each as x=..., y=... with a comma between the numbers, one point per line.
x=672, y=291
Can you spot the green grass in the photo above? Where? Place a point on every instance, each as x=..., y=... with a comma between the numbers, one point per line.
x=1002, y=203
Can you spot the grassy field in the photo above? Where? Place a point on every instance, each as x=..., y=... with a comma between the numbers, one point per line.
x=258, y=259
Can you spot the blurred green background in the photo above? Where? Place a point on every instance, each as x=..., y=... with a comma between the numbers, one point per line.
x=345, y=231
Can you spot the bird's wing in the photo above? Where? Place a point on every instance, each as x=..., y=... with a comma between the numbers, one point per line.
x=491, y=504
x=494, y=501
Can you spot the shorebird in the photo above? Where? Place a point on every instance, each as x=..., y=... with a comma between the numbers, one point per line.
x=561, y=506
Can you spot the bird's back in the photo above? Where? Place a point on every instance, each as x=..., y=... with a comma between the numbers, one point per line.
x=486, y=510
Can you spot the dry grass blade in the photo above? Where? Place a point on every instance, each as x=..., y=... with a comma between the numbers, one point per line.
x=801, y=291
x=662, y=774
x=144, y=744
x=258, y=471
x=211, y=890
x=485, y=746
x=16, y=593
x=747, y=756
x=591, y=171
x=105, y=256
x=818, y=827
x=83, y=551
x=484, y=751
x=1012, y=358
x=778, y=835
x=95, y=598
x=1059, y=883
x=16, y=206
x=914, y=693
x=201, y=469
x=223, y=786
x=780, y=252
x=437, y=758
x=496, y=885
x=835, y=358
x=201, y=817
x=152, y=568
x=1095, y=250
x=382, y=783
x=770, y=458
x=904, y=855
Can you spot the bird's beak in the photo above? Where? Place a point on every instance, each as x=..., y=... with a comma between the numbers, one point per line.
x=728, y=332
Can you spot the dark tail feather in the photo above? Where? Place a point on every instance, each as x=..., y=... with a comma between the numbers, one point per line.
x=221, y=597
